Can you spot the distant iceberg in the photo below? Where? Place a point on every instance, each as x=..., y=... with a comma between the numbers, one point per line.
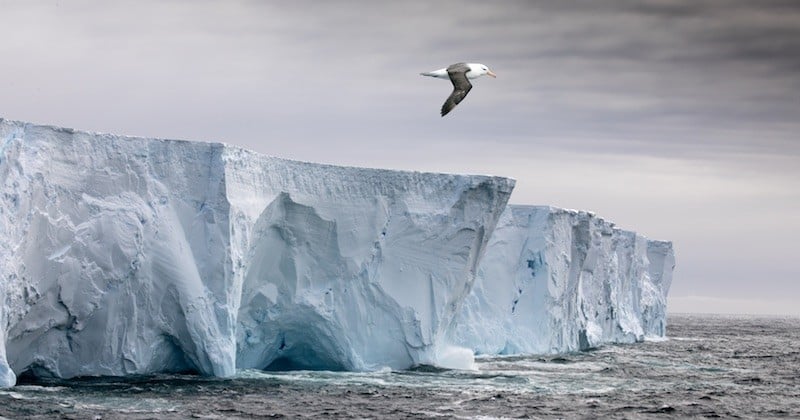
x=556, y=280
x=123, y=255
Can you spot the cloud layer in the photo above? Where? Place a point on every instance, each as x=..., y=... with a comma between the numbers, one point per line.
x=679, y=119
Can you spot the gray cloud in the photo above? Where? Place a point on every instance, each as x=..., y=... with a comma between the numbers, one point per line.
x=680, y=119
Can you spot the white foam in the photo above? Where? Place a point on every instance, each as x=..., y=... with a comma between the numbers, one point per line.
x=454, y=357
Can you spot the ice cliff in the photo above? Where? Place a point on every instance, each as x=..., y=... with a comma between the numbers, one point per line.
x=555, y=280
x=124, y=255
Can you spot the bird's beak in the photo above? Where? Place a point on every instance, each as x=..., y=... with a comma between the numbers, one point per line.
x=491, y=73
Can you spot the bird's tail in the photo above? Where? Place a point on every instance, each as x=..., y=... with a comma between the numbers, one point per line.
x=441, y=73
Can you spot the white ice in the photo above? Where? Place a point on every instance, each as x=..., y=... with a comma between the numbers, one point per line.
x=126, y=255
x=123, y=255
x=556, y=280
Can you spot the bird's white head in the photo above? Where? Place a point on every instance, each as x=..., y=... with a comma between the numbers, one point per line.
x=478, y=70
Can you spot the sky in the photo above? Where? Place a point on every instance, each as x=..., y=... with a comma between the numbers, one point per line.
x=676, y=119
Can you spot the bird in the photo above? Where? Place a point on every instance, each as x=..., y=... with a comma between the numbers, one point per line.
x=459, y=74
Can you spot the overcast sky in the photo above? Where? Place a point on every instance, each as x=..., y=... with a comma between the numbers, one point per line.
x=677, y=119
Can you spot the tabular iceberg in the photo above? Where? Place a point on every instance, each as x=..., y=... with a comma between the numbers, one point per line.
x=556, y=280
x=126, y=255
x=122, y=255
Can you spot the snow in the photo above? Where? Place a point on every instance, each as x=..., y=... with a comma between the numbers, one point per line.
x=556, y=280
x=123, y=255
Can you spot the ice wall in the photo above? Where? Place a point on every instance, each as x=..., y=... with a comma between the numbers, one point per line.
x=346, y=268
x=555, y=280
x=128, y=256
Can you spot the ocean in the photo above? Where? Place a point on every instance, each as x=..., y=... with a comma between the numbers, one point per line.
x=709, y=366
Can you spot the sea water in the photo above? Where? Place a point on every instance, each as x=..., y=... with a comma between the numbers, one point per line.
x=709, y=366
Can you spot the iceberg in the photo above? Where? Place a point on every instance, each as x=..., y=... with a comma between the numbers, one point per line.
x=123, y=255
x=556, y=280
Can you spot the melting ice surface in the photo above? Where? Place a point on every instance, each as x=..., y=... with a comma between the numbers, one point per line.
x=124, y=256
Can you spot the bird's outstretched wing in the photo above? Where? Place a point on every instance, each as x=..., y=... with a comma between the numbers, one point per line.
x=461, y=86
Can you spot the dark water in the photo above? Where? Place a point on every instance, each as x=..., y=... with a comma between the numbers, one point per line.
x=711, y=366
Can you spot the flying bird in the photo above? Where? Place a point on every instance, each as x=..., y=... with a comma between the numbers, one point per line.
x=459, y=74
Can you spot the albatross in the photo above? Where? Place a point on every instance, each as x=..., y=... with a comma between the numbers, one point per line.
x=459, y=74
